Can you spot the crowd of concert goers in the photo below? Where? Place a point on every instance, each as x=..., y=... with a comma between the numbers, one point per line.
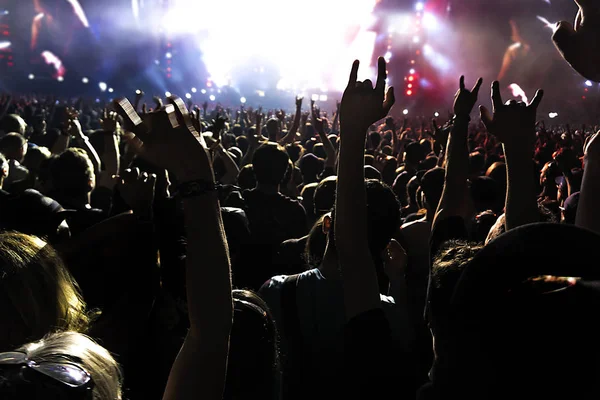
x=182, y=251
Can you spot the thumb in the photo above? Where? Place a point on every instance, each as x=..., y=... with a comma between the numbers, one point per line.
x=389, y=101
x=485, y=115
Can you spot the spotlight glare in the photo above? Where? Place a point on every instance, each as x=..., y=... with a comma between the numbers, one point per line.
x=103, y=86
x=553, y=115
x=110, y=90
x=85, y=80
x=31, y=77
x=588, y=83
x=188, y=96
x=243, y=100
x=436, y=114
x=405, y=112
x=323, y=97
x=212, y=97
x=412, y=71
x=60, y=79
x=419, y=6
x=203, y=91
x=194, y=90
x=167, y=94
x=168, y=55
x=314, y=97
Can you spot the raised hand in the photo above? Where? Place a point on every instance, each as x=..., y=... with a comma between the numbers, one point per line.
x=158, y=103
x=464, y=100
x=513, y=122
x=579, y=44
x=299, y=100
x=218, y=125
x=137, y=191
x=109, y=121
x=362, y=105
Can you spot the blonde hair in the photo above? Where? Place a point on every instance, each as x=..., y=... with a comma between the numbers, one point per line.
x=86, y=353
x=37, y=292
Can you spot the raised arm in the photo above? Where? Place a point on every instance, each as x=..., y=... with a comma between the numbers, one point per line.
x=291, y=135
x=361, y=106
x=455, y=195
x=513, y=124
x=317, y=123
x=588, y=210
x=200, y=368
x=253, y=140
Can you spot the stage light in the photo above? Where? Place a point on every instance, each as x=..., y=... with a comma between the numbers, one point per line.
x=97, y=100
x=588, y=83
x=553, y=115
x=168, y=54
x=409, y=92
x=411, y=78
x=388, y=56
x=156, y=62
x=405, y=112
x=110, y=90
x=188, y=96
x=260, y=93
x=4, y=45
x=436, y=114
x=323, y=97
x=243, y=100
x=85, y=80
x=167, y=94
x=412, y=71
x=212, y=97
x=138, y=92
x=410, y=85
x=194, y=90
x=416, y=39
x=419, y=6
x=314, y=97
x=430, y=22
x=103, y=86
x=31, y=77
x=203, y=91
x=60, y=78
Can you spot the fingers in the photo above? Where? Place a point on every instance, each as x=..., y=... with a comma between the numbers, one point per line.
x=462, y=82
x=152, y=180
x=389, y=101
x=181, y=111
x=353, y=74
x=130, y=175
x=131, y=119
x=485, y=115
x=496, y=97
x=477, y=86
x=564, y=37
x=537, y=99
x=381, y=74
x=367, y=84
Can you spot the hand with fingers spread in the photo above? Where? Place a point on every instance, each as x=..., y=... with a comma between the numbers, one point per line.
x=464, y=100
x=579, y=44
x=109, y=121
x=362, y=105
x=158, y=103
x=514, y=122
x=137, y=191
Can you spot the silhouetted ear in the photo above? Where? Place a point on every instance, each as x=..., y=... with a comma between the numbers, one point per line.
x=327, y=223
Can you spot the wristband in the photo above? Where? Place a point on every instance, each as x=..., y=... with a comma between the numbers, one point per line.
x=196, y=188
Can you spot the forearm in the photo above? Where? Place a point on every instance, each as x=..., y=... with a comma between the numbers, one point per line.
x=291, y=135
x=361, y=289
x=455, y=193
x=231, y=168
x=329, y=150
x=521, y=197
x=61, y=144
x=588, y=212
x=91, y=152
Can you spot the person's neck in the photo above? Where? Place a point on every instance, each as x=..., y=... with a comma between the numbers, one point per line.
x=267, y=188
x=329, y=267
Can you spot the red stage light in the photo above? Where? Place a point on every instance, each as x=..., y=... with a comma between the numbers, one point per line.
x=411, y=78
x=410, y=85
x=409, y=92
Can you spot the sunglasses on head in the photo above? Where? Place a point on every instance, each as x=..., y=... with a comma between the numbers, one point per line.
x=62, y=375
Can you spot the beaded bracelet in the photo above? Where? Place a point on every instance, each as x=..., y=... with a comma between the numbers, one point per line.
x=196, y=188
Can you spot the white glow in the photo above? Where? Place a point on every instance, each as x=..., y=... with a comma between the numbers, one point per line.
x=517, y=91
x=419, y=6
x=412, y=71
x=314, y=97
x=323, y=97
x=438, y=60
x=110, y=90
x=553, y=115
x=229, y=68
x=388, y=56
x=31, y=76
x=260, y=93
x=85, y=80
x=405, y=112
x=4, y=45
x=167, y=94
x=138, y=92
x=588, y=83
x=416, y=39
x=430, y=22
x=242, y=100
x=436, y=114
x=194, y=90
x=103, y=86
x=212, y=97
x=188, y=96
x=60, y=78
x=168, y=55
x=203, y=91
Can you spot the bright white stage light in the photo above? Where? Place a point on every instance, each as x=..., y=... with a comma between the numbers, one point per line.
x=405, y=112
x=436, y=114
x=85, y=80
x=203, y=91
x=110, y=90
x=60, y=78
x=167, y=94
x=194, y=90
x=388, y=56
x=31, y=76
x=188, y=96
x=314, y=97
x=231, y=68
x=323, y=97
x=103, y=86
x=242, y=100
x=212, y=97
x=553, y=115
x=419, y=6
x=588, y=83
x=168, y=55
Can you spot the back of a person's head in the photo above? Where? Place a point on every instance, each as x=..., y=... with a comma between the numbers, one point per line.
x=242, y=143
x=324, y=198
x=523, y=319
x=253, y=369
x=35, y=157
x=308, y=194
x=63, y=365
x=270, y=163
x=414, y=153
x=38, y=294
x=72, y=173
x=486, y=194
x=295, y=151
x=12, y=144
x=476, y=163
x=310, y=166
x=426, y=145
x=246, y=178
x=399, y=187
x=374, y=139
x=12, y=123
x=319, y=150
x=372, y=173
x=432, y=185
